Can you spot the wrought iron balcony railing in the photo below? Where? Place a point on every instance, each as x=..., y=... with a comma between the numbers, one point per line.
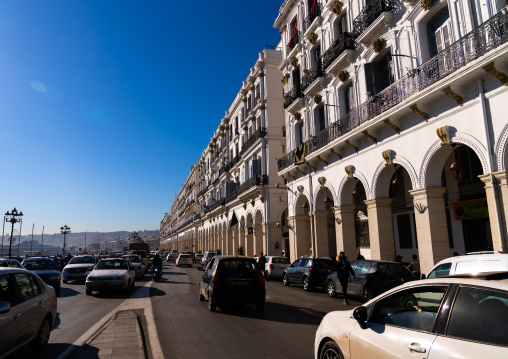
x=345, y=41
x=293, y=41
x=251, y=182
x=488, y=36
x=370, y=13
x=312, y=74
x=314, y=11
x=216, y=204
x=260, y=133
x=292, y=95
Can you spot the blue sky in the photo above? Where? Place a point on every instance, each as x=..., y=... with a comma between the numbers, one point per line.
x=105, y=105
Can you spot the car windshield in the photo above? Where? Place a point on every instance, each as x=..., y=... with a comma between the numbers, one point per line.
x=133, y=259
x=81, y=260
x=280, y=260
x=395, y=269
x=39, y=264
x=111, y=264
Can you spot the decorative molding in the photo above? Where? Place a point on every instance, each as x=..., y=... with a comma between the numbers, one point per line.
x=294, y=61
x=392, y=125
x=322, y=160
x=282, y=29
x=300, y=189
x=317, y=99
x=444, y=135
x=427, y=4
x=261, y=74
x=492, y=71
x=500, y=149
x=343, y=75
x=262, y=199
x=244, y=99
x=261, y=107
x=337, y=7
x=347, y=142
x=336, y=153
x=448, y=90
x=313, y=38
x=321, y=181
x=349, y=171
x=299, y=170
x=311, y=166
x=387, y=155
x=369, y=136
x=420, y=208
x=284, y=80
x=290, y=175
x=298, y=116
x=378, y=45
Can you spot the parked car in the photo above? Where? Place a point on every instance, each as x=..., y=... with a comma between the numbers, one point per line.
x=308, y=271
x=171, y=257
x=372, y=277
x=11, y=262
x=207, y=257
x=111, y=274
x=137, y=263
x=462, y=316
x=275, y=265
x=197, y=258
x=46, y=269
x=184, y=260
x=232, y=279
x=78, y=268
x=470, y=263
x=27, y=310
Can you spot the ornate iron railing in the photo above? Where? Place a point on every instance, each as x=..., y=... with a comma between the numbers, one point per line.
x=314, y=11
x=251, y=182
x=260, y=133
x=370, y=13
x=216, y=204
x=345, y=41
x=488, y=36
x=312, y=74
x=293, y=41
x=292, y=95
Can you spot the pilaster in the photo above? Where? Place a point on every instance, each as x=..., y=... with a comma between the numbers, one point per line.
x=321, y=233
x=345, y=229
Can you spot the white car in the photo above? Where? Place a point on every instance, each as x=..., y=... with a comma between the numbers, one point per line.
x=137, y=263
x=470, y=263
x=27, y=310
x=460, y=317
x=111, y=274
x=171, y=257
x=78, y=268
x=275, y=265
x=184, y=260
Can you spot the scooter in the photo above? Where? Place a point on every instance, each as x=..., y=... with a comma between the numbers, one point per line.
x=156, y=273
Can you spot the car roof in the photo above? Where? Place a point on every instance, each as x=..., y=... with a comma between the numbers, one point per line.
x=9, y=270
x=376, y=261
x=38, y=258
x=234, y=256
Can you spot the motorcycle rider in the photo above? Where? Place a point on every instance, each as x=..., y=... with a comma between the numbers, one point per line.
x=157, y=261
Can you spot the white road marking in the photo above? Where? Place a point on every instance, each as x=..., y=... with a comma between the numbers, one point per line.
x=139, y=300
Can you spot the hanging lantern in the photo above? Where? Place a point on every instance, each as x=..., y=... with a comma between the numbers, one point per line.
x=328, y=202
x=306, y=208
x=455, y=168
x=397, y=185
x=357, y=196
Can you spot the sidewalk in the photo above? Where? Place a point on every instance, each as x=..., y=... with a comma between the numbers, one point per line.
x=119, y=338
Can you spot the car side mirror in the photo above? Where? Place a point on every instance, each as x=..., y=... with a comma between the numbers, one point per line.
x=360, y=314
x=423, y=276
x=5, y=307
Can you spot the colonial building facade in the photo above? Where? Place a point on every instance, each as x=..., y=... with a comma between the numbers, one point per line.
x=231, y=200
x=395, y=113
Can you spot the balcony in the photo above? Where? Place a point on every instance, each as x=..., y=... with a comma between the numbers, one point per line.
x=260, y=133
x=251, y=182
x=314, y=12
x=215, y=204
x=488, y=36
x=339, y=53
x=292, y=95
x=369, y=16
x=314, y=73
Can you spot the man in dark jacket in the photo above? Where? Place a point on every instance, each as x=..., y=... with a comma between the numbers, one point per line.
x=343, y=271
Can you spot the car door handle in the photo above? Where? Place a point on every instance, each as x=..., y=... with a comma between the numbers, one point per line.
x=17, y=316
x=415, y=347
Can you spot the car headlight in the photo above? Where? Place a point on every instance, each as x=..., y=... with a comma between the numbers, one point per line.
x=54, y=277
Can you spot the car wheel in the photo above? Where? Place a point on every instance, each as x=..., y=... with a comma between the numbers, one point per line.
x=306, y=284
x=41, y=339
x=330, y=289
x=64, y=281
x=367, y=294
x=211, y=303
x=330, y=350
x=260, y=306
x=285, y=280
x=89, y=292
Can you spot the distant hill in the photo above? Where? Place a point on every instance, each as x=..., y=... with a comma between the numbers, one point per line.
x=78, y=238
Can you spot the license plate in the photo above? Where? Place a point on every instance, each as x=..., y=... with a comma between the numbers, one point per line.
x=238, y=282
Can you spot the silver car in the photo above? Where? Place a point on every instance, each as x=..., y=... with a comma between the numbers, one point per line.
x=111, y=273
x=27, y=310
x=78, y=268
x=137, y=263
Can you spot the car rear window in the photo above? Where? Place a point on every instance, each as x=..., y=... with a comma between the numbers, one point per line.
x=185, y=256
x=280, y=261
x=323, y=263
x=235, y=266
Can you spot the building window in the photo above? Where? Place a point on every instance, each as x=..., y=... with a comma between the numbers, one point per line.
x=320, y=119
x=439, y=31
x=348, y=98
x=340, y=26
x=293, y=30
x=379, y=74
x=299, y=133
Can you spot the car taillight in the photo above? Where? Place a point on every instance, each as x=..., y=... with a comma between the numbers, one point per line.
x=310, y=269
x=272, y=266
x=261, y=277
x=215, y=276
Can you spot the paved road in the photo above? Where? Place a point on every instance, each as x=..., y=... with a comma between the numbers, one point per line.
x=286, y=328
x=77, y=313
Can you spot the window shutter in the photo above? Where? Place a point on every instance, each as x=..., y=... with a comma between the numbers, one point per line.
x=369, y=78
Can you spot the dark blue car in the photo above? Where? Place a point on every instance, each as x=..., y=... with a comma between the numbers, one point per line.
x=46, y=269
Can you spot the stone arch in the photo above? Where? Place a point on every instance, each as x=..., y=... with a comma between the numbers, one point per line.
x=501, y=149
x=330, y=188
x=300, y=200
x=347, y=185
x=319, y=196
x=436, y=156
x=258, y=218
x=383, y=174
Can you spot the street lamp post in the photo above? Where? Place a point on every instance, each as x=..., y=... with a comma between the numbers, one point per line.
x=14, y=214
x=84, y=249
x=65, y=230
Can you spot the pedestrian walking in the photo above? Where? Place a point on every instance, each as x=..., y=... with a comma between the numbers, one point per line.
x=414, y=266
x=344, y=270
x=262, y=262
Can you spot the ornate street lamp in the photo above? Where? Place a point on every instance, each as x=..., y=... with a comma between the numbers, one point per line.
x=455, y=167
x=328, y=202
x=65, y=231
x=397, y=185
x=15, y=217
x=306, y=208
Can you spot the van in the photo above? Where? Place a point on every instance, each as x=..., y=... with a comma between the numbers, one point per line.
x=471, y=263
